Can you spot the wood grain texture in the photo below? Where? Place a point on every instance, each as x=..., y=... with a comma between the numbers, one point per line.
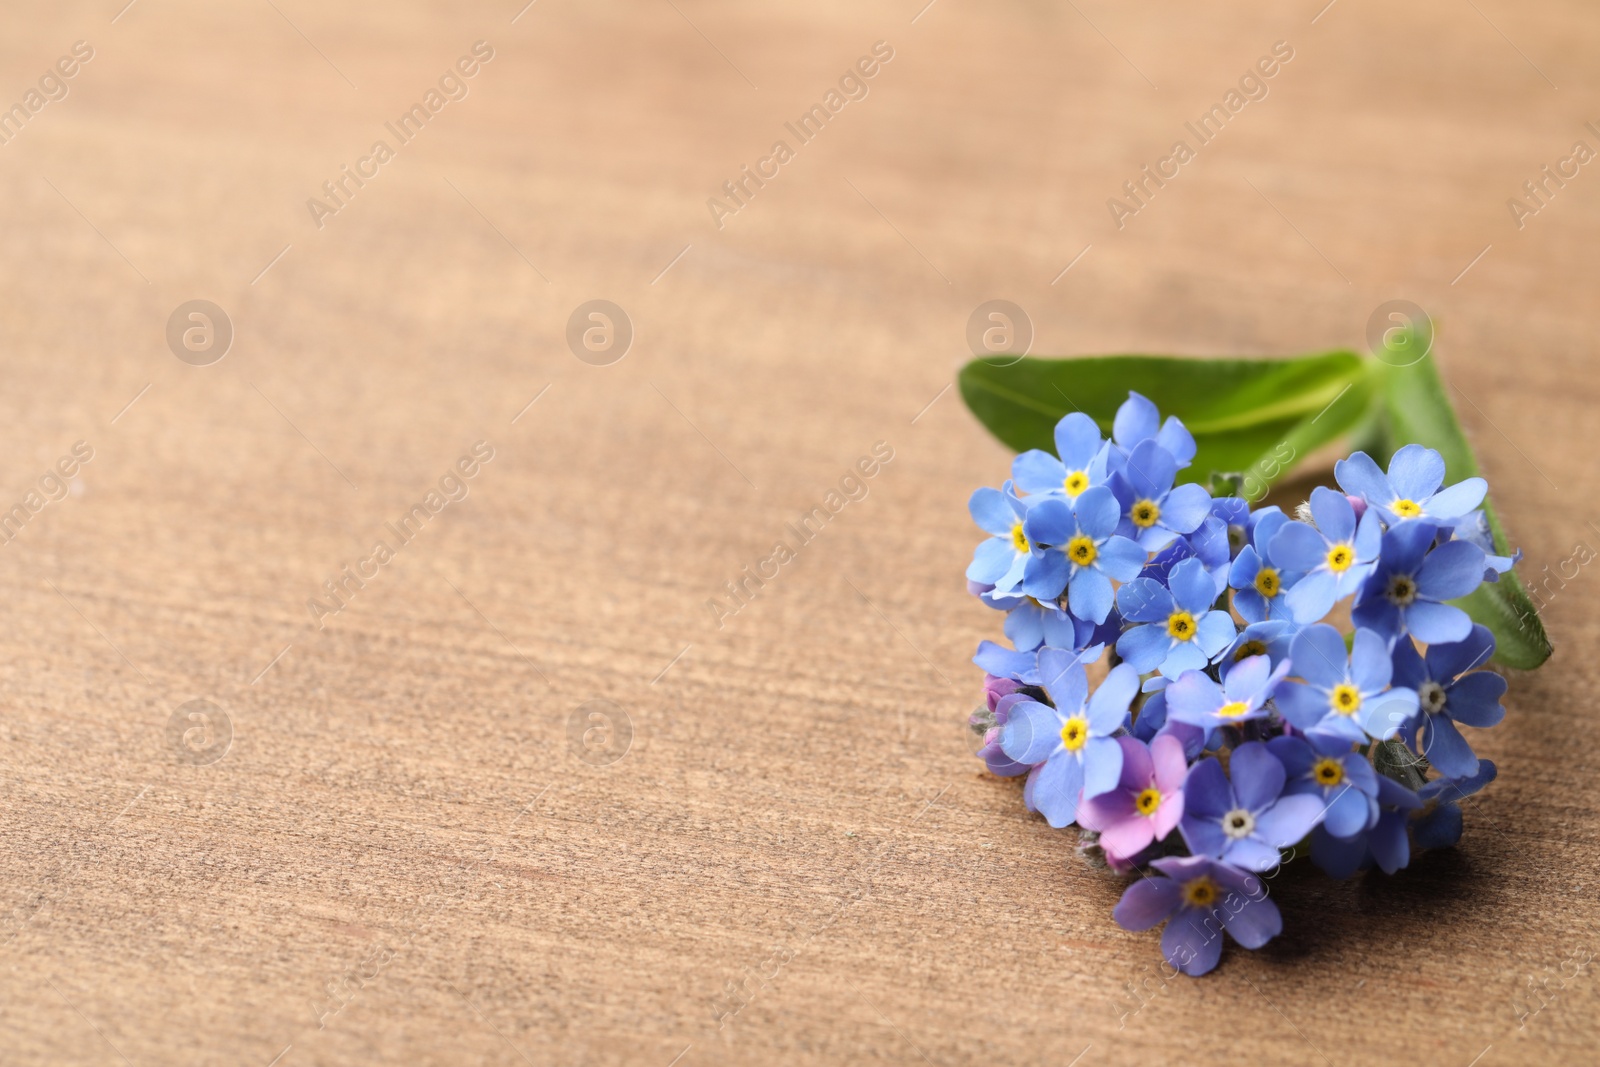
x=403, y=857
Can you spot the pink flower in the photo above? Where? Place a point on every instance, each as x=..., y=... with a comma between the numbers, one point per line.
x=1146, y=803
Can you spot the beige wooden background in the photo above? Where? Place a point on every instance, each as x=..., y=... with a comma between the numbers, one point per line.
x=408, y=853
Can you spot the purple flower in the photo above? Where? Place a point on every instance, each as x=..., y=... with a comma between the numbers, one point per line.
x=1451, y=692
x=1199, y=898
x=1405, y=593
x=1384, y=844
x=1069, y=745
x=1245, y=822
x=1082, y=463
x=1179, y=631
x=1344, y=698
x=1335, y=556
x=993, y=756
x=1080, y=552
x=1438, y=823
x=1196, y=699
x=1342, y=779
x=1154, y=512
x=1147, y=801
x=999, y=561
x=1411, y=488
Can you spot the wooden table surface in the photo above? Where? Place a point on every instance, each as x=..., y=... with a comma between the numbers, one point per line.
x=527, y=795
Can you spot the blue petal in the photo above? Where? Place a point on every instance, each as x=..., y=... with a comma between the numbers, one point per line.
x=1183, y=656
x=1370, y=664
x=1193, y=697
x=1192, y=588
x=1360, y=476
x=1416, y=472
x=1258, y=776
x=1318, y=656
x=1150, y=471
x=1176, y=439
x=1058, y=788
x=1214, y=632
x=1302, y=705
x=1312, y=597
x=1475, y=699
x=1097, y=512
x=1289, y=820
x=1458, y=500
x=1433, y=623
x=1137, y=419
x=1144, y=646
x=1038, y=471
x=1146, y=902
x=1089, y=595
x=1447, y=661
x=1246, y=566
x=1452, y=570
x=1077, y=440
x=1334, y=516
x=990, y=561
x=1387, y=713
x=1121, y=558
x=1185, y=508
x=1439, y=828
x=992, y=512
x=1347, y=812
x=1447, y=750
x=1045, y=576
x=1109, y=704
x=1338, y=858
x=1102, y=765
x=1031, y=733
x=1061, y=673
x=1049, y=522
x=1144, y=600
x=1298, y=547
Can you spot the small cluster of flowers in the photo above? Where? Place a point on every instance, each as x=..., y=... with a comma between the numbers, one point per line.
x=1232, y=712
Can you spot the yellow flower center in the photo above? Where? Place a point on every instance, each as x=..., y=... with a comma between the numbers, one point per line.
x=1406, y=509
x=1327, y=771
x=1232, y=710
x=1081, y=551
x=1180, y=624
x=1074, y=732
x=1019, y=540
x=1250, y=648
x=1077, y=482
x=1144, y=513
x=1267, y=582
x=1148, y=801
x=1346, y=699
x=1340, y=557
x=1200, y=892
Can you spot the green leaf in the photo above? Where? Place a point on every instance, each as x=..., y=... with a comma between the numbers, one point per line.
x=1242, y=412
x=1418, y=409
